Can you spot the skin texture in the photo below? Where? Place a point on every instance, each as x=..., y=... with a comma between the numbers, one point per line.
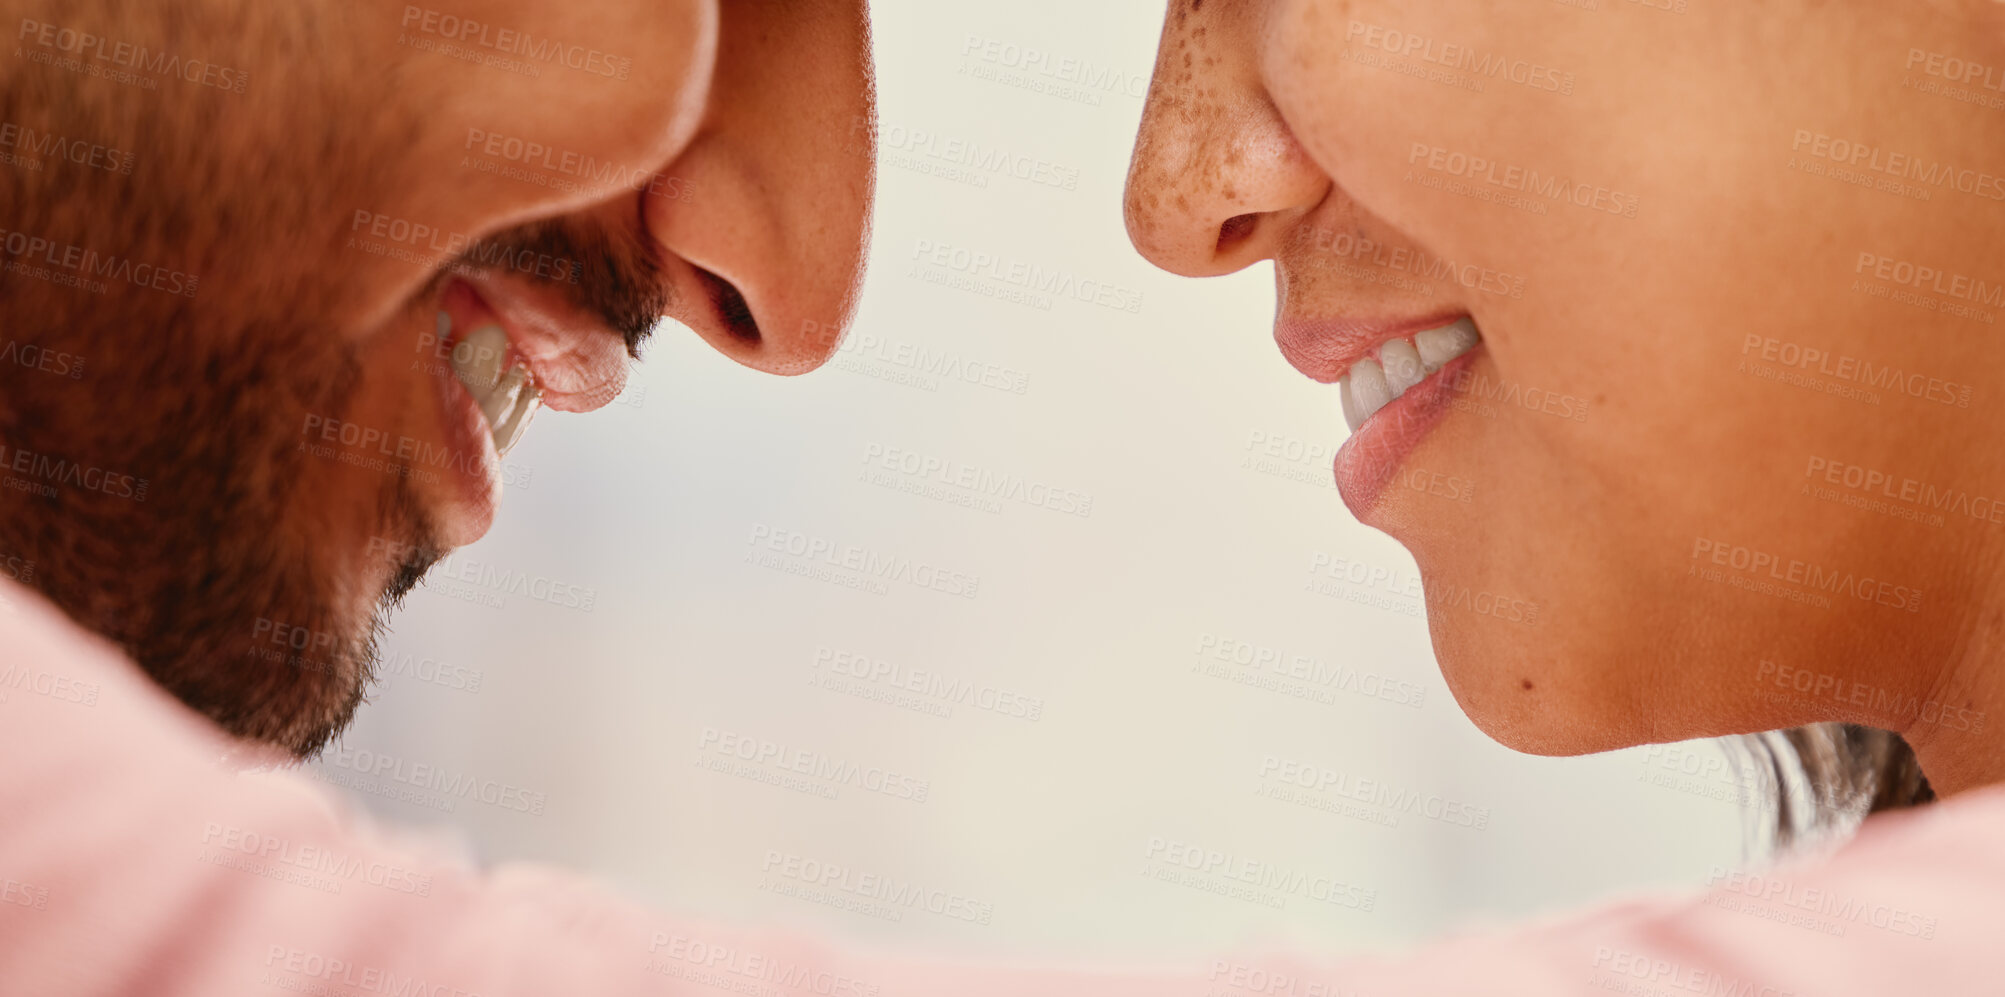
x=1285, y=130
x=738, y=207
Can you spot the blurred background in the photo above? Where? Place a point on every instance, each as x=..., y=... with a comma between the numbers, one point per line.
x=1036, y=603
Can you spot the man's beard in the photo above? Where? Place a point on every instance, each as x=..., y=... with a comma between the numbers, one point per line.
x=235, y=578
x=223, y=581
x=186, y=573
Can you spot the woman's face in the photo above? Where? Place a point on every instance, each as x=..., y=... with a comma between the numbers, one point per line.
x=1734, y=274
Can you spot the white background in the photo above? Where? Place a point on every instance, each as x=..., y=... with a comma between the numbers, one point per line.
x=651, y=506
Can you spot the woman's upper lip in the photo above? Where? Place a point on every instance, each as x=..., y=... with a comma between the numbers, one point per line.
x=578, y=362
x=1327, y=348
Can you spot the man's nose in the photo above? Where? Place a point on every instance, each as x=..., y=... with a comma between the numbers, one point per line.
x=1217, y=179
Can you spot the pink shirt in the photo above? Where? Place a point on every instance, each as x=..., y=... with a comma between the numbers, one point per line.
x=135, y=860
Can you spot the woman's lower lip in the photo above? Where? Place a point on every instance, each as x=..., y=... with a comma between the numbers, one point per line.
x=1369, y=460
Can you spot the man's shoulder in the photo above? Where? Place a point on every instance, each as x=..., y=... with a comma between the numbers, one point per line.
x=34, y=634
x=68, y=688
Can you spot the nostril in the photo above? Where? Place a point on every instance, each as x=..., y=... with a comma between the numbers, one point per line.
x=1235, y=230
x=731, y=306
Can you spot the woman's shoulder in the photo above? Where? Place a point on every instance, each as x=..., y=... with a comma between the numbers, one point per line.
x=1907, y=905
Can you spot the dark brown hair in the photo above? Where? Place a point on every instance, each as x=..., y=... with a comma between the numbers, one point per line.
x=1826, y=777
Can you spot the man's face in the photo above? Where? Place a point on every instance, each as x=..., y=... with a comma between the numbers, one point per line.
x=372, y=242
x=1690, y=237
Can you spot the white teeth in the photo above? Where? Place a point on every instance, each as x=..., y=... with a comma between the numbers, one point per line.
x=1363, y=392
x=512, y=419
x=1438, y=346
x=1402, y=366
x=507, y=397
x=477, y=359
x=1371, y=383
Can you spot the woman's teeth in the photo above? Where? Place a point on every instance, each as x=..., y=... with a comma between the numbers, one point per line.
x=1371, y=384
x=507, y=396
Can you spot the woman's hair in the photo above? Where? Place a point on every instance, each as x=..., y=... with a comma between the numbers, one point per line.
x=1827, y=777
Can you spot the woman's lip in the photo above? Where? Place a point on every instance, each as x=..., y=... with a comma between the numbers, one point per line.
x=1368, y=461
x=1327, y=349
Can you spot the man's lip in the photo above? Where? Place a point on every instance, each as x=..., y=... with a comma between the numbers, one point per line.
x=578, y=363
x=1326, y=349
x=466, y=507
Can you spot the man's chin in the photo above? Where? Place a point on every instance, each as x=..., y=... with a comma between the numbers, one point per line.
x=296, y=687
x=289, y=669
